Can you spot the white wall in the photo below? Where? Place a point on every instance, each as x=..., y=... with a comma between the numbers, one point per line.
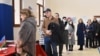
x=32, y=4
x=78, y=8
x=9, y=2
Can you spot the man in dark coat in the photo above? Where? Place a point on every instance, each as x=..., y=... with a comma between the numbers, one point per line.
x=89, y=35
x=99, y=33
x=64, y=35
x=60, y=32
x=55, y=37
x=95, y=32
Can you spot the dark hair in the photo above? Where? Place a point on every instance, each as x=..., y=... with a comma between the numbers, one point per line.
x=47, y=10
x=57, y=14
x=64, y=17
x=72, y=25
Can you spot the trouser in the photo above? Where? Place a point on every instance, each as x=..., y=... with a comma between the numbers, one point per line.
x=88, y=42
x=81, y=47
x=95, y=42
x=99, y=41
x=98, y=38
x=50, y=47
x=61, y=48
x=70, y=47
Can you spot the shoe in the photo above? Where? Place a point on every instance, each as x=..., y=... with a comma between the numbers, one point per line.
x=70, y=49
x=80, y=49
x=86, y=46
x=94, y=46
x=60, y=54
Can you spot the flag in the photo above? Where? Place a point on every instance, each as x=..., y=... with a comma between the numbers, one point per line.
x=2, y=41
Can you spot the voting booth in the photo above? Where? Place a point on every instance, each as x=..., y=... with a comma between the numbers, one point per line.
x=6, y=20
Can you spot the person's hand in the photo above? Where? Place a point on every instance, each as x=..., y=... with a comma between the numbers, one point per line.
x=19, y=50
x=19, y=43
x=87, y=30
x=48, y=32
x=96, y=34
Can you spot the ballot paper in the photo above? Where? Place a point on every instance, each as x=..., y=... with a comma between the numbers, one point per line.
x=3, y=48
x=13, y=45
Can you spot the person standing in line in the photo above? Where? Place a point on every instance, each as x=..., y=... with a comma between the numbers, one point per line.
x=64, y=37
x=80, y=33
x=99, y=32
x=71, y=37
x=27, y=34
x=61, y=28
x=50, y=44
x=95, y=32
x=89, y=34
x=65, y=33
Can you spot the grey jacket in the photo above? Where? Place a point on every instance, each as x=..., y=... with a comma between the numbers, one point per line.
x=71, y=37
x=27, y=35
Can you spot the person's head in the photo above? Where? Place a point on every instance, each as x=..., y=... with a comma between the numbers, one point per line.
x=89, y=21
x=56, y=15
x=48, y=12
x=25, y=13
x=71, y=23
x=69, y=19
x=94, y=19
x=80, y=20
x=64, y=18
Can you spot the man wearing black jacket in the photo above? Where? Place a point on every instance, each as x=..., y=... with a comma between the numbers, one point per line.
x=99, y=32
x=95, y=32
x=63, y=39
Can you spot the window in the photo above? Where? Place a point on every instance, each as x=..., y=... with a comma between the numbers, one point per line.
x=17, y=6
x=40, y=5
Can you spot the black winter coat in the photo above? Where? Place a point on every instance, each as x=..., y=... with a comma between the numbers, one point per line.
x=55, y=29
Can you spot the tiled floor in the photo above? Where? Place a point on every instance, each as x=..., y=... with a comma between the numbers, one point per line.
x=85, y=52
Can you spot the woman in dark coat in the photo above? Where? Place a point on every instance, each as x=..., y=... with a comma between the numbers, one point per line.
x=80, y=33
x=27, y=33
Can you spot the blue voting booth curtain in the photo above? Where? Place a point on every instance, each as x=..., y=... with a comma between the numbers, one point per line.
x=6, y=21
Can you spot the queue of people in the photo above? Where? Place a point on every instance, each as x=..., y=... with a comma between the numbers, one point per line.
x=59, y=32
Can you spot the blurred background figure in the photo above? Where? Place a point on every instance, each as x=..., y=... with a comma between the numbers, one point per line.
x=95, y=32
x=50, y=39
x=27, y=33
x=99, y=33
x=61, y=30
x=64, y=36
x=80, y=33
x=89, y=34
x=71, y=37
